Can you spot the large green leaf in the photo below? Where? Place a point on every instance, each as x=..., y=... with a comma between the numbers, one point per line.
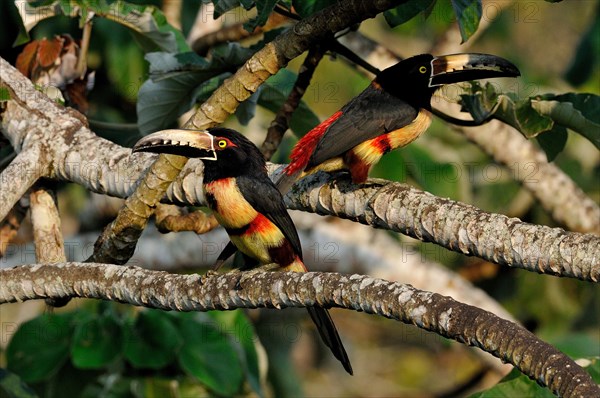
x=406, y=11
x=177, y=80
x=152, y=341
x=208, y=355
x=96, y=342
x=147, y=22
x=587, y=57
x=244, y=336
x=468, y=14
x=40, y=347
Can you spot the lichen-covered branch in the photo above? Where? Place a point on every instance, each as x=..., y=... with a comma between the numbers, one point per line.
x=430, y=311
x=456, y=226
x=47, y=234
x=20, y=175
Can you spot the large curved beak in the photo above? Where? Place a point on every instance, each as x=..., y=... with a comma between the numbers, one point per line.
x=188, y=143
x=455, y=68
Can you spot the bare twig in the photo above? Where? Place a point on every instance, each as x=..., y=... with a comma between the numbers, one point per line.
x=281, y=122
x=430, y=311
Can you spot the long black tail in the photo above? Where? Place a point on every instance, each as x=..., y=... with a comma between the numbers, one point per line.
x=329, y=334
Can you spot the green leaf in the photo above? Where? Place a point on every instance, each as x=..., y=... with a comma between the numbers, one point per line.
x=553, y=142
x=40, y=347
x=536, y=115
x=178, y=80
x=274, y=94
x=152, y=341
x=515, y=384
x=208, y=355
x=247, y=109
x=244, y=336
x=96, y=342
x=264, y=8
x=578, y=112
x=406, y=11
x=222, y=6
x=12, y=386
x=468, y=14
x=305, y=8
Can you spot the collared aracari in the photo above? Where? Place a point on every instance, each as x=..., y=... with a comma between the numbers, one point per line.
x=390, y=113
x=247, y=204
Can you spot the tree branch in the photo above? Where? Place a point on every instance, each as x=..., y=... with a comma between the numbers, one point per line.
x=456, y=226
x=429, y=311
x=20, y=175
x=281, y=122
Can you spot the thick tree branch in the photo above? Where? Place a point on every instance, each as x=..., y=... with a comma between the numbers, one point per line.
x=47, y=234
x=429, y=311
x=456, y=226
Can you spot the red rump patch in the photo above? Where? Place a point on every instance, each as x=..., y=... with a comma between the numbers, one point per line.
x=304, y=148
x=382, y=143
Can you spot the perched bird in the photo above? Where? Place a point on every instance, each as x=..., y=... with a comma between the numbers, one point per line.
x=247, y=204
x=390, y=113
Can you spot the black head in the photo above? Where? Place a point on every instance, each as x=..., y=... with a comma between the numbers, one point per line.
x=415, y=79
x=225, y=152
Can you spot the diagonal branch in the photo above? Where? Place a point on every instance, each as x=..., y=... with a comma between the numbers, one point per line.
x=430, y=311
x=20, y=175
x=281, y=122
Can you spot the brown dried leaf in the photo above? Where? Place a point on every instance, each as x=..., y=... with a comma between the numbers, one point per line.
x=26, y=59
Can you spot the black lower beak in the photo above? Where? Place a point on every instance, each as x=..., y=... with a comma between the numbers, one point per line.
x=457, y=68
x=188, y=143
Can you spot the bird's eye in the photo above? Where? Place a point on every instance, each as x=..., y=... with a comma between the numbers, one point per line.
x=423, y=69
x=222, y=144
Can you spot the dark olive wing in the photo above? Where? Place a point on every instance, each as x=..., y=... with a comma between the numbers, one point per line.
x=266, y=199
x=368, y=115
